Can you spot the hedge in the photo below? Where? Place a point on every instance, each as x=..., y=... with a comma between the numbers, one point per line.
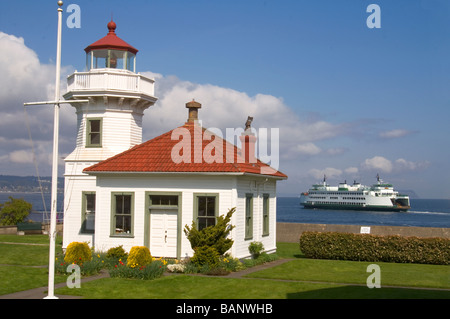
x=373, y=248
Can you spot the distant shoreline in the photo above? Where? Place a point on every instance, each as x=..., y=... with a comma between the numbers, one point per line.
x=17, y=192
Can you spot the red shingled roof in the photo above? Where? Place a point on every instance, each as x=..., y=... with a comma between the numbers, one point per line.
x=156, y=156
x=111, y=41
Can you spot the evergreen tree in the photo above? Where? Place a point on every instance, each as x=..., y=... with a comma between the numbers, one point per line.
x=212, y=236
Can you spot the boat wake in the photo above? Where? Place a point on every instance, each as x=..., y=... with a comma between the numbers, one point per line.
x=428, y=213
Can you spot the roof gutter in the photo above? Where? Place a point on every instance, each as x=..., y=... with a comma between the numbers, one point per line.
x=97, y=173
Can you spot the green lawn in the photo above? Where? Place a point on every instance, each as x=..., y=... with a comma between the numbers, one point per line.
x=298, y=278
x=339, y=271
x=23, y=266
x=199, y=287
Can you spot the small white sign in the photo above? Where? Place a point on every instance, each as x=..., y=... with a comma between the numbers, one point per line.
x=365, y=230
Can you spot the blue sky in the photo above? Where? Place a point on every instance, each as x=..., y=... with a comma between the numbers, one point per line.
x=349, y=101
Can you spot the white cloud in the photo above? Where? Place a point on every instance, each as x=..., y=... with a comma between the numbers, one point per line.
x=25, y=79
x=351, y=170
x=306, y=149
x=378, y=163
x=23, y=76
x=21, y=156
x=329, y=172
x=402, y=164
x=395, y=133
x=382, y=164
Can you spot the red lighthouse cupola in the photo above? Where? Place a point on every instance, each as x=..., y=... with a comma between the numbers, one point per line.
x=111, y=52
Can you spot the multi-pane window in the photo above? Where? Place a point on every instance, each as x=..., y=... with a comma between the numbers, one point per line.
x=94, y=133
x=248, y=216
x=266, y=214
x=206, y=211
x=164, y=200
x=88, y=213
x=122, y=214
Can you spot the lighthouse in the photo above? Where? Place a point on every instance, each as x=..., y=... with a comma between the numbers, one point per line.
x=109, y=124
x=121, y=191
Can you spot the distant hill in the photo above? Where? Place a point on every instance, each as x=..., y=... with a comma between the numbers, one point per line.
x=27, y=184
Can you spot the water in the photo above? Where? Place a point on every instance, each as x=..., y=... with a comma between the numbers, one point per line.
x=424, y=212
x=38, y=213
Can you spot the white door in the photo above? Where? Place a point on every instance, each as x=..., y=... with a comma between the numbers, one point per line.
x=163, y=233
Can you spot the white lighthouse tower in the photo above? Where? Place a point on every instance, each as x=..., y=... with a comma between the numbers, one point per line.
x=109, y=124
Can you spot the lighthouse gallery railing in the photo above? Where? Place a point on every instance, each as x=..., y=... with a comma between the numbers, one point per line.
x=108, y=79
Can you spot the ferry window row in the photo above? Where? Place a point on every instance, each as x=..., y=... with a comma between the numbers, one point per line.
x=333, y=197
x=332, y=203
x=335, y=193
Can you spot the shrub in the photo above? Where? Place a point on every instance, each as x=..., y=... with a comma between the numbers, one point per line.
x=14, y=211
x=139, y=256
x=366, y=247
x=77, y=253
x=116, y=252
x=256, y=248
x=213, y=236
x=206, y=255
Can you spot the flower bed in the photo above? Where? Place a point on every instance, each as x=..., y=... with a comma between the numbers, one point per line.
x=120, y=265
x=151, y=271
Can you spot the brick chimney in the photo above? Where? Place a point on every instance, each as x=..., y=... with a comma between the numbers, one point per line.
x=193, y=107
x=248, y=140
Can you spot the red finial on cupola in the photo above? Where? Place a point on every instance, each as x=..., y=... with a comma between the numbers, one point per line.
x=112, y=26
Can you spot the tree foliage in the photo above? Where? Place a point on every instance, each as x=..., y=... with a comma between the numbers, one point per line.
x=212, y=236
x=14, y=211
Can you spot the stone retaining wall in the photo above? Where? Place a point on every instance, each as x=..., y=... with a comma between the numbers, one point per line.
x=290, y=232
x=12, y=230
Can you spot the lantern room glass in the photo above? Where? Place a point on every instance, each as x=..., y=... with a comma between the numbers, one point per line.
x=112, y=59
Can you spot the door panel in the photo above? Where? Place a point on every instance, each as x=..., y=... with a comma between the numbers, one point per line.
x=163, y=233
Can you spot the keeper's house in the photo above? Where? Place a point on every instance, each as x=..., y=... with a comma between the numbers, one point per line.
x=120, y=191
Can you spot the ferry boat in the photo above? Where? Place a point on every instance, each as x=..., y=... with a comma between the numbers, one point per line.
x=380, y=196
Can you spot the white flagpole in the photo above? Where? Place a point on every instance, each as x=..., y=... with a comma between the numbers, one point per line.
x=51, y=266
